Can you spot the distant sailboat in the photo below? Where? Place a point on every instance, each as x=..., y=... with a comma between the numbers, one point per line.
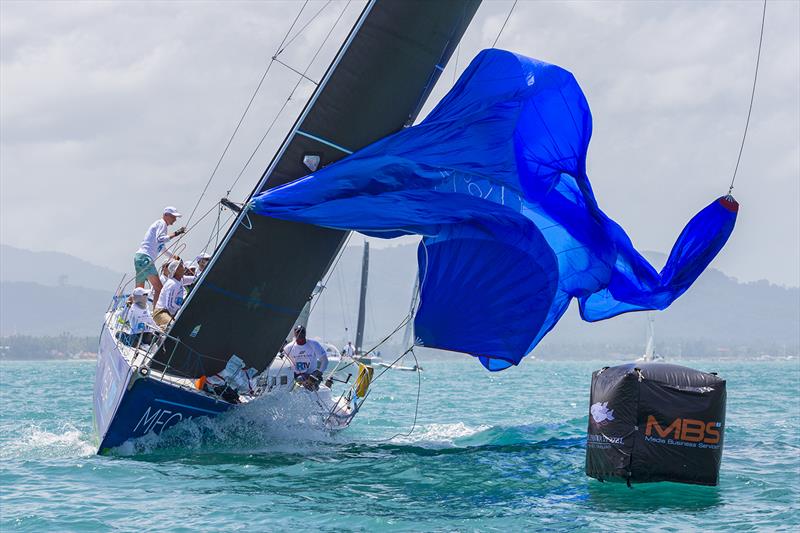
x=650, y=348
x=408, y=334
x=361, y=355
x=365, y=356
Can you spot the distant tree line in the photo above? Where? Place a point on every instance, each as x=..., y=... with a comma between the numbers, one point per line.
x=669, y=348
x=64, y=346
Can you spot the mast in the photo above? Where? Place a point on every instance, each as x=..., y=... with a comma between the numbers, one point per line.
x=362, y=300
x=408, y=334
x=649, y=351
x=264, y=270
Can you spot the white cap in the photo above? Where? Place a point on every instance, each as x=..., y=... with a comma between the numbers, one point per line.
x=169, y=210
x=140, y=291
x=202, y=256
x=172, y=267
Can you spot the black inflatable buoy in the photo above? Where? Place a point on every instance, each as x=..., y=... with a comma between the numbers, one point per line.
x=655, y=422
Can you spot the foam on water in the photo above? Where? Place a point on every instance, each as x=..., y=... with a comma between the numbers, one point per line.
x=33, y=442
x=440, y=435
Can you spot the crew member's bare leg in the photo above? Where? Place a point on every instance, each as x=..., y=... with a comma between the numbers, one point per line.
x=155, y=282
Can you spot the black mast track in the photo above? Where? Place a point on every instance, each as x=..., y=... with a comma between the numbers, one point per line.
x=265, y=269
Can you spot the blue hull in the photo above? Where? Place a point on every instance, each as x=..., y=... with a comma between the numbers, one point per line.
x=128, y=404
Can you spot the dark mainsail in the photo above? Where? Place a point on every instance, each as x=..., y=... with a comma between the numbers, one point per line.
x=265, y=269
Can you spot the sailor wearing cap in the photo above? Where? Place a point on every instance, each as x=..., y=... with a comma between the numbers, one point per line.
x=153, y=244
x=201, y=261
x=308, y=357
x=136, y=319
x=194, y=269
x=171, y=298
x=139, y=316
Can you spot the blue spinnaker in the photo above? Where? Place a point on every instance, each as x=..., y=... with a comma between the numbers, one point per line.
x=494, y=179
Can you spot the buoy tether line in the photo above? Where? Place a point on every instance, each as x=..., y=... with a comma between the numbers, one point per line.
x=752, y=97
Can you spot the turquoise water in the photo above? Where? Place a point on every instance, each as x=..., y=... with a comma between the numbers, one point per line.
x=490, y=452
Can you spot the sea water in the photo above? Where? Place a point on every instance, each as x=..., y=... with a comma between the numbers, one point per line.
x=490, y=452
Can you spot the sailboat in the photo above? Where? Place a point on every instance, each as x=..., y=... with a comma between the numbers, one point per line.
x=245, y=301
x=357, y=349
x=408, y=332
x=650, y=348
x=362, y=355
x=495, y=181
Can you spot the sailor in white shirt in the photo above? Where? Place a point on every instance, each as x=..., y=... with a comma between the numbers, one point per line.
x=139, y=318
x=188, y=273
x=156, y=237
x=202, y=262
x=349, y=350
x=308, y=359
x=171, y=297
x=136, y=319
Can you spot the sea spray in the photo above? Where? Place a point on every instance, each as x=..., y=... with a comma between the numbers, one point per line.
x=276, y=422
x=35, y=442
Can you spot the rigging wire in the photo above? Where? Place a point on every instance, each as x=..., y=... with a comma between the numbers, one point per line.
x=244, y=113
x=301, y=30
x=504, y=23
x=752, y=96
x=343, y=306
x=288, y=99
x=416, y=405
x=217, y=229
x=331, y=270
x=170, y=248
x=284, y=44
x=301, y=74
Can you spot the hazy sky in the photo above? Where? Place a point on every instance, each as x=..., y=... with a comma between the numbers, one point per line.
x=109, y=111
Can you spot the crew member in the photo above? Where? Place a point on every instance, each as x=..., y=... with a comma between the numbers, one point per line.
x=202, y=262
x=193, y=271
x=171, y=298
x=139, y=316
x=137, y=320
x=349, y=350
x=156, y=237
x=308, y=359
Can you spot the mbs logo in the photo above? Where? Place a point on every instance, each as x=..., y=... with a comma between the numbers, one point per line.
x=685, y=429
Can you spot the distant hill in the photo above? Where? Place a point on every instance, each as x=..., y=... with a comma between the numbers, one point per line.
x=54, y=269
x=33, y=309
x=718, y=315
x=50, y=293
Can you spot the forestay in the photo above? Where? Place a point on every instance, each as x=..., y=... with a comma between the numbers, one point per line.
x=495, y=180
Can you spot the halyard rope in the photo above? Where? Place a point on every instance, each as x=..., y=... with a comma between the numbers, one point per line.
x=752, y=95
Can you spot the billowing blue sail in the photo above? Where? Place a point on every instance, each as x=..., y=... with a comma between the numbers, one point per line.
x=494, y=179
